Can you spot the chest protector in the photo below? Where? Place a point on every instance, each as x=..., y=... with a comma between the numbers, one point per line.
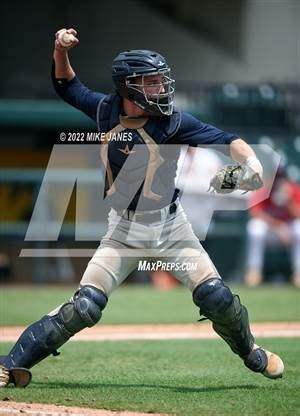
x=142, y=175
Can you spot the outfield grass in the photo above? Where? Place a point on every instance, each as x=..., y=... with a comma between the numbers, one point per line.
x=180, y=377
x=144, y=304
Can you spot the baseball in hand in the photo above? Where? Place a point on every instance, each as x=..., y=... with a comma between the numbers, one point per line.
x=66, y=39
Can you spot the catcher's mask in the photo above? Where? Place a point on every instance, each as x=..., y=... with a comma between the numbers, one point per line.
x=144, y=77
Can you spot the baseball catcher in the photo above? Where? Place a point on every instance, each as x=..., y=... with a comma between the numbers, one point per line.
x=143, y=105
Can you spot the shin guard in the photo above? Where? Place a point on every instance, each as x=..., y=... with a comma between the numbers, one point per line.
x=229, y=317
x=45, y=336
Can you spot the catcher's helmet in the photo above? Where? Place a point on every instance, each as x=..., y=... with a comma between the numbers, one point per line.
x=129, y=71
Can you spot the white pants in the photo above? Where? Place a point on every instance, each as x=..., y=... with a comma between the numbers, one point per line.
x=260, y=233
x=127, y=242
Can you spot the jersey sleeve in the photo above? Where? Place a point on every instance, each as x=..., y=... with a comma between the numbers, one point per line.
x=194, y=132
x=75, y=93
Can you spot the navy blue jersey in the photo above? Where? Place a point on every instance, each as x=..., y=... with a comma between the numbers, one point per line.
x=179, y=128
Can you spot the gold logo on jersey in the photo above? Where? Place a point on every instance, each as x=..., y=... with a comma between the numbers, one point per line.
x=155, y=159
x=126, y=150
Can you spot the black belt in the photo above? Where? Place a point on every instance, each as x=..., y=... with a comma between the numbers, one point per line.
x=149, y=217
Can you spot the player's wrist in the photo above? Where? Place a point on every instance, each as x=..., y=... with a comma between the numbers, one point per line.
x=59, y=49
x=254, y=164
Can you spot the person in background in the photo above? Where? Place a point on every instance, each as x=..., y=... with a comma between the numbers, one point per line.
x=274, y=220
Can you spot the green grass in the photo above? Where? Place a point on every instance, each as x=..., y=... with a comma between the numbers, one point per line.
x=143, y=304
x=184, y=377
x=181, y=377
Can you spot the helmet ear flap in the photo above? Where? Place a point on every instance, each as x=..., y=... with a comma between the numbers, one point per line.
x=131, y=95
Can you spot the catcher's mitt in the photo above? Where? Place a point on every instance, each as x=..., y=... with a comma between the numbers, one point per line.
x=233, y=177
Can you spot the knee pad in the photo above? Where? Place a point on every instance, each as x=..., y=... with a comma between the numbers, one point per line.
x=84, y=309
x=213, y=298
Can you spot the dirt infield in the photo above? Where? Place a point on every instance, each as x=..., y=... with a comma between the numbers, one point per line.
x=8, y=408
x=131, y=332
x=160, y=332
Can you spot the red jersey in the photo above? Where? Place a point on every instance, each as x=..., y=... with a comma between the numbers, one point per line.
x=283, y=195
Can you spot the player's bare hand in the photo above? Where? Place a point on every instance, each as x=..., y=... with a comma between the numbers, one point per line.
x=66, y=39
